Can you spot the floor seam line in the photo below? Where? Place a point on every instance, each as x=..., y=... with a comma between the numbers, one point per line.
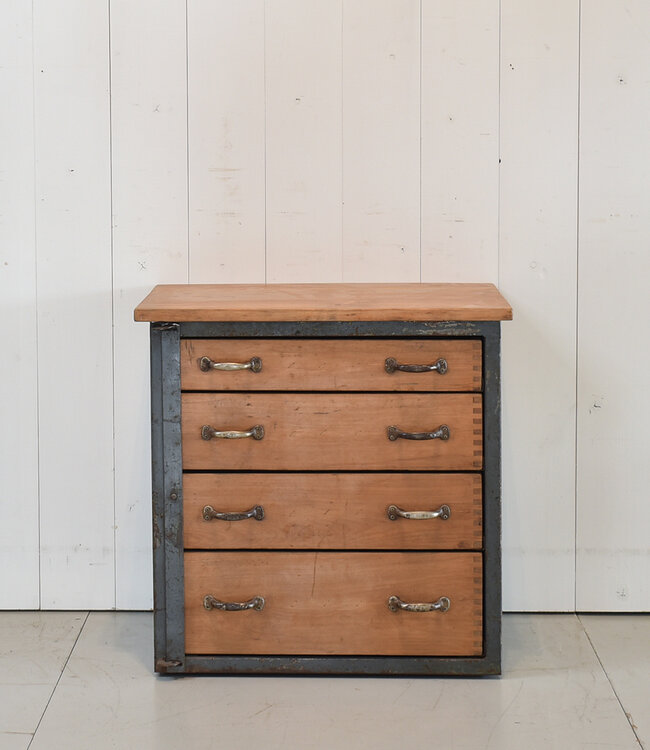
x=56, y=684
x=611, y=684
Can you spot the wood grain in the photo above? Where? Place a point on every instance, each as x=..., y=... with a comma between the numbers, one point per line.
x=332, y=511
x=334, y=603
x=258, y=302
x=331, y=365
x=330, y=431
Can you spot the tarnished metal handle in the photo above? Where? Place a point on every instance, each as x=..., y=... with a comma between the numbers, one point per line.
x=257, y=602
x=439, y=366
x=254, y=365
x=443, y=513
x=209, y=513
x=257, y=433
x=442, y=605
x=442, y=433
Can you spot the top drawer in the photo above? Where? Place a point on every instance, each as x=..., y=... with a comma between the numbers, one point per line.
x=331, y=364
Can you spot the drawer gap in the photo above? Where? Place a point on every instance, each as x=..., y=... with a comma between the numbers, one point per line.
x=332, y=550
x=325, y=392
x=332, y=471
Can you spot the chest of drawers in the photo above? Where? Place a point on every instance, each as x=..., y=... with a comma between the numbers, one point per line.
x=326, y=478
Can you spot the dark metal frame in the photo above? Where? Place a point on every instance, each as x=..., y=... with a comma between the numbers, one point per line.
x=167, y=486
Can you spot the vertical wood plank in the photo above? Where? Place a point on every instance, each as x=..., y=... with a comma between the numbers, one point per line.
x=460, y=140
x=73, y=239
x=303, y=140
x=149, y=179
x=19, y=584
x=613, y=513
x=381, y=140
x=539, y=111
x=226, y=140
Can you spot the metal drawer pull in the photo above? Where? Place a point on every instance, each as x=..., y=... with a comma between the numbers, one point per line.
x=207, y=433
x=439, y=366
x=257, y=602
x=442, y=605
x=210, y=513
x=442, y=433
x=254, y=365
x=443, y=513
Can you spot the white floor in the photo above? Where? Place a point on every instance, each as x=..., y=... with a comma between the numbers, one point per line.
x=79, y=681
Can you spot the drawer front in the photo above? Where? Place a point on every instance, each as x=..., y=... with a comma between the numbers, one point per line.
x=318, y=431
x=331, y=511
x=331, y=365
x=334, y=603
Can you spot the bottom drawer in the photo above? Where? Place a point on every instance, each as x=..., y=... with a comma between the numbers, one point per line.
x=334, y=603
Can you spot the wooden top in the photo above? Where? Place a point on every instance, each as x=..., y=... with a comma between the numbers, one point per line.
x=297, y=302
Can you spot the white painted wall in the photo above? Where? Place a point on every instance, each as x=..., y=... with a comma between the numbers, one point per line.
x=324, y=140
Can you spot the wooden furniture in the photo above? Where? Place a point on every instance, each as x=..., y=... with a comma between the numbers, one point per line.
x=326, y=477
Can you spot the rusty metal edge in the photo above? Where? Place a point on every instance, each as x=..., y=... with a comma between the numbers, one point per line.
x=320, y=329
x=157, y=494
x=168, y=487
x=492, y=492
x=343, y=665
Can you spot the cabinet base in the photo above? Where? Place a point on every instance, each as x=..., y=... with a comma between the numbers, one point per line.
x=385, y=666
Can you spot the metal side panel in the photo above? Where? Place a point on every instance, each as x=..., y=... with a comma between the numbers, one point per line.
x=167, y=498
x=157, y=495
x=492, y=493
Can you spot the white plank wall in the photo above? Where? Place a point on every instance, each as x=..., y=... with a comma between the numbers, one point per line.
x=18, y=365
x=303, y=140
x=460, y=140
x=538, y=246
x=149, y=187
x=613, y=512
x=226, y=116
x=73, y=252
x=324, y=140
x=381, y=140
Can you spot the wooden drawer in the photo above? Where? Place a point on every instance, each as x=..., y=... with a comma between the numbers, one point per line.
x=332, y=511
x=331, y=365
x=334, y=603
x=318, y=431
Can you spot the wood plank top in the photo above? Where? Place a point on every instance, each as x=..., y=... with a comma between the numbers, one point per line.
x=300, y=302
